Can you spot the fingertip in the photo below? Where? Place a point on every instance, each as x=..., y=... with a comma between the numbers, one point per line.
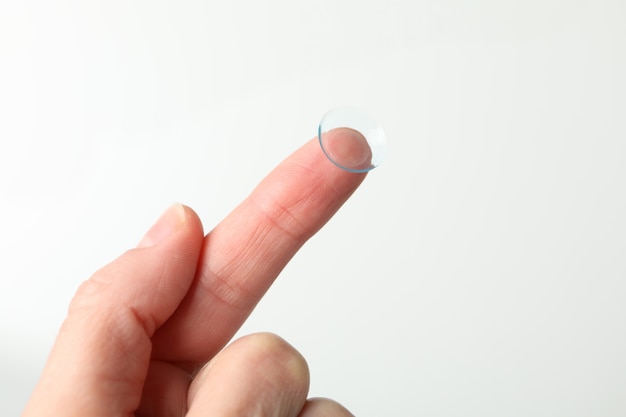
x=348, y=149
x=169, y=222
x=175, y=218
x=258, y=374
x=192, y=221
x=324, y=407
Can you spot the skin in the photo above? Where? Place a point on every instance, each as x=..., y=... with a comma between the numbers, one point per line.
x=348, y=148
x=145, y=335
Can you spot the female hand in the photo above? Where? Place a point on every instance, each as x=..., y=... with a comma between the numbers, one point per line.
x=145, y=335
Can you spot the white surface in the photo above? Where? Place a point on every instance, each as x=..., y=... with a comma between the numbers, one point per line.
x=479, y=271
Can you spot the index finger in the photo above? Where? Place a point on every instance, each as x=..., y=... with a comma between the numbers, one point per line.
x=243, y=255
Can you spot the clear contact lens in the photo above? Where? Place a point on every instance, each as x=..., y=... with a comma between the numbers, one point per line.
x=352, y=140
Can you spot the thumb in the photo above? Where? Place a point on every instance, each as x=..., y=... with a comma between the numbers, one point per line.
x=100, y=358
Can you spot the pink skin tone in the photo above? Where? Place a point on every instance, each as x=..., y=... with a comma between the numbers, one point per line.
x=348, y=148
x=145, y=335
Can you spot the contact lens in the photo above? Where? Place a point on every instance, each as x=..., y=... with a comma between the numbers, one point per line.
x=352, y=140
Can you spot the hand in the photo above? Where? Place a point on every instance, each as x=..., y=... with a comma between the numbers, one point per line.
x=145, y=335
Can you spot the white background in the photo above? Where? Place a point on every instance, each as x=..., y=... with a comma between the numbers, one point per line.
x=480, y=271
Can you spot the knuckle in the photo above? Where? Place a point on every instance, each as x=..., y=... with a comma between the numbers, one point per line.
x=87, y=294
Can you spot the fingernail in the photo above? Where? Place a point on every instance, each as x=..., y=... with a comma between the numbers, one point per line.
x=167, y=224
